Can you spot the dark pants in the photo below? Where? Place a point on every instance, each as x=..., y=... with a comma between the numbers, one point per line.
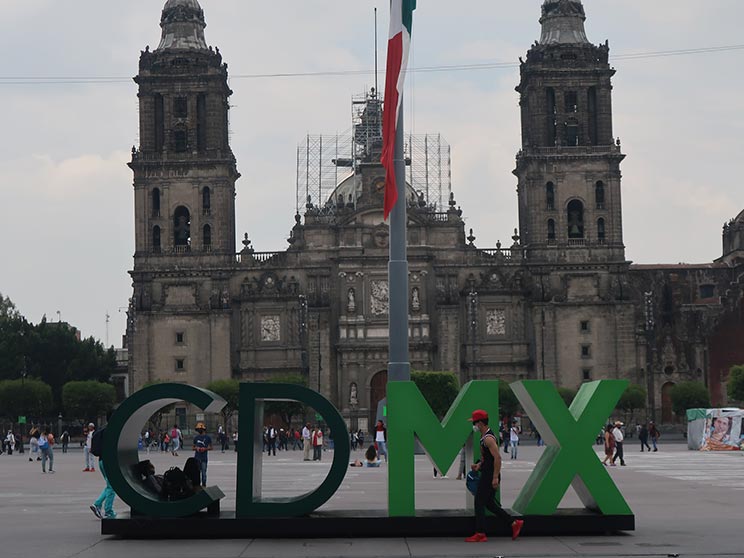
x=644, y=442
x=484, y=499
x=271, y=447
x=317, y=453
x=619, y=453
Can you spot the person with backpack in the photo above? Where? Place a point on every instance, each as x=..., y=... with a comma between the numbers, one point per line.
x=46, y=445
x=107, y=496
x=175, y=436
x=202, y=445
x=65, y=439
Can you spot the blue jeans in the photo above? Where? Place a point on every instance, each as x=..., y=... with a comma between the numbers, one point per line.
x=514, y=446
x=203, y=469
x=653, y=443
x=382, y=450
x=47, y=454
x=106, y=499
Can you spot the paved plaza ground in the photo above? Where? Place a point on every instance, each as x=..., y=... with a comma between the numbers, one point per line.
x=686, y=503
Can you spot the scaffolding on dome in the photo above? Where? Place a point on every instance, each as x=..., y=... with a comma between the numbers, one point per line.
x=325, y=161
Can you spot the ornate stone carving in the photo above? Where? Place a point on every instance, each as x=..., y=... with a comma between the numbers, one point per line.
x=270, y=328
x=379, y=298
x=496, y=323
x=351, y=301
x=353, y=395
x=415, y=299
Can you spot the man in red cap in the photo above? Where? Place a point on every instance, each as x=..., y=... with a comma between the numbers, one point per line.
x=490, y=470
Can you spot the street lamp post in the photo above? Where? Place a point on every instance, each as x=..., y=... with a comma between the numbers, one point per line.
x=650, y=326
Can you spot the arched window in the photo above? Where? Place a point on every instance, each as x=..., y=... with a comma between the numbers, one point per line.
x=550, y=195
x=207, y=237
x=156, y=239
x=551, y=229
x=156, y=203
x=206, y=200
x=181, y=227
x=599, y=194
x=601, y=235
x=575, y=214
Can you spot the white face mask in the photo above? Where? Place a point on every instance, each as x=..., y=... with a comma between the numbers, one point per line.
x=475, y=428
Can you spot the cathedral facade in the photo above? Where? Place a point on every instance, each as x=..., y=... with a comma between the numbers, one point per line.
x=560, y=302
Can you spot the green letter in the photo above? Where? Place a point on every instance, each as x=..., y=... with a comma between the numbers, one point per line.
x=409, y=415
x=249, y=499
x=120, y=453
x=569, y=458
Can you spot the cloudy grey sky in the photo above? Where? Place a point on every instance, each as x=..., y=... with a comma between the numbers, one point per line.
x=66, y=229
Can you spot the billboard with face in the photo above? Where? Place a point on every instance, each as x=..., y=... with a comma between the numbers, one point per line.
x=722, y=430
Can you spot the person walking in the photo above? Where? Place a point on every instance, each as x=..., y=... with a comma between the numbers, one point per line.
x=490, y=479
x=10, y=442
x=65, y=439
x=46, y=445
x=33, y=443
x=307, y=444
x=514, y=438
x=618, y=434
x=654, y=434
x=381, y=439
x=176, y=439
x=89, y=458
x=643, y=437
x=271, y=440
x=235, y=441
x=202, y=445
x=317, y=444
x=609, y=445
x=103, y=507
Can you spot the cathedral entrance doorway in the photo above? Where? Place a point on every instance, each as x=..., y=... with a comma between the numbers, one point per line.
x=377, y=392
x=667, y=413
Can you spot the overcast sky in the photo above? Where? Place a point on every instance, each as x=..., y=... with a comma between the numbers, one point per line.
x=66, y=228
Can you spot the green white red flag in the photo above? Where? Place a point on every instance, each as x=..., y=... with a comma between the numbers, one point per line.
x=399, y=45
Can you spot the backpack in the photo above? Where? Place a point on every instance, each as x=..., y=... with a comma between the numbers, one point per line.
x=176, y=485
x=96, y=442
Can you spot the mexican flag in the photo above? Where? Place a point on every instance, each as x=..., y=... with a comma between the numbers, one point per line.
x=399, y=45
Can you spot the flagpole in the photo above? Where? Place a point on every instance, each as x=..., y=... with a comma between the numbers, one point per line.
x=399, y=367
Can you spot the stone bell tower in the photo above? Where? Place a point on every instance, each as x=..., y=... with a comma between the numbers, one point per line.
x=569, y=164
x=184, y=191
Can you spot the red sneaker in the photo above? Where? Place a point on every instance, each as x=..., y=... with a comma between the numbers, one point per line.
x=86, y=470
x=92, y=470
x=477, y=537
x=516, y=528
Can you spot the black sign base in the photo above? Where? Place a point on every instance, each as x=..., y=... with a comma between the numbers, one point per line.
x=359, y=524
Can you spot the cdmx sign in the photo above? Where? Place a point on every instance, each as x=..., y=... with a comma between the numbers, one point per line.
x=568, y=459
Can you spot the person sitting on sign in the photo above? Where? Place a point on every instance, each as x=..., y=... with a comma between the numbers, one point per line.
x=371, y=459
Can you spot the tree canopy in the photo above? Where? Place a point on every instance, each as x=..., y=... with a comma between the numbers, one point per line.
x=287, y=410
x=508, y=402
x=440, y=390
x=735, y=385
x=25, y=398
x=632, y=399
x=229, y=390
x=689, y=395
x=88, y=400
x=50, y=352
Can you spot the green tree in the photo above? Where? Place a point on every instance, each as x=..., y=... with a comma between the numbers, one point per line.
x=567, y=394
x=88, y=399
x=508, y=402
x=287, y=410
x=735, y=386
x=229, y=390
x=440, y=389
x=633, y=399
x=25, y=397
x=689, y=395
x=8, y=310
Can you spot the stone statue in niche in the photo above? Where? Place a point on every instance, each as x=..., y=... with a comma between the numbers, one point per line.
x=225, y=300
x=415, y=299
x=353, y=395
x=351, y=301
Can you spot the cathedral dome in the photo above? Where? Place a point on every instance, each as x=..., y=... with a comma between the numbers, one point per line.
x=183, y=26
x=563, y=22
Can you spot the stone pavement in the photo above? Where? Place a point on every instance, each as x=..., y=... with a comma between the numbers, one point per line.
x=686, y=503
